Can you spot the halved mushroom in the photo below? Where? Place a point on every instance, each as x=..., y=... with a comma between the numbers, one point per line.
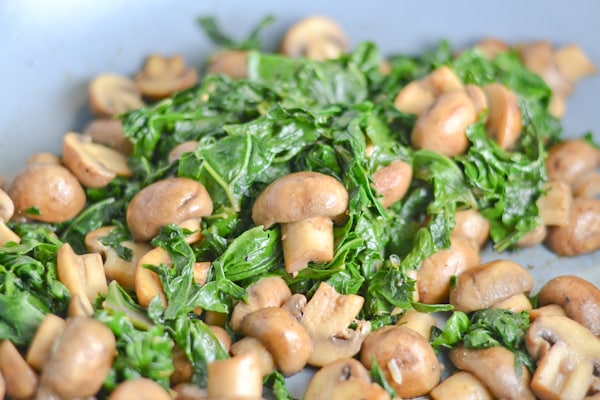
x=461, y=385
x=47, y=332
x=407, y=360
x=495, y=367
x=232, y=63
x=504, y=120
x=488, y=284
x=7, y=209
x=111, y=95
x=581, y=234
x=392, y=181
x=20, y=379
x=579, y=298
x=315, y=37
x=554, y=205
x=327, y=318
x=163, y=76
x=235, y=378
x=344, y=379
x=139, y=389
x=570, y=160
x=168, y=201
x=479, y=99
x=304, y=203
x=47, y=193
x=109, y=132
x=93, y=164
x=568, y=358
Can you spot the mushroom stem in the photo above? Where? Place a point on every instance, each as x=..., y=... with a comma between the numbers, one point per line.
x=308, y=240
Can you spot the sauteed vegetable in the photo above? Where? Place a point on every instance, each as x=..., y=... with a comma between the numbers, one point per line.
x=210, y=235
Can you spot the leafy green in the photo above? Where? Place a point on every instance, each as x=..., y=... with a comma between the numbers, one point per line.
x=379, y=378
x=212, y=30
x=276, y=382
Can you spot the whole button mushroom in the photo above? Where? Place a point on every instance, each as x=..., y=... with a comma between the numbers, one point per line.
x=169, y=201
x=52, y=189
x=304, y=203
x=315, y=37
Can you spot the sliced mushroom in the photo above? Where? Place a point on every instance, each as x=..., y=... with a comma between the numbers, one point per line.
x=554, y=205
x=139, y=389
x=111, y=95
x=93, y=164
x=233, y=63
x=344, y=379
x=579, y=298
x=407, y=360
x=461, y=385
x=315, y=37
x=327, y=318
x=51, y=328
x=235, y=378
x=185, y=147
x=50, y=189
x=109, y=132
x=304, y=203
x=581, y=234
x=479, y=99
x=488, y=284
x=392, y=181
x=504, y=120
x=20, y=379
x=495, y=367
x=163, y=76
x=169, y=201
x=147, y=283
x=568, y=358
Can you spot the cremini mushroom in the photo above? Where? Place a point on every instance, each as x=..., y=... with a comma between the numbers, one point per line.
x=168, y=201
x=495, y=367
x=407, y=360
x=94, y=165
x=266, y=292
x=111, y=95
x=109, y=132
x=185, y=147
x=316, y=37
x=283, y=336
x=581, y=234
x=248, y=344
x=488, y=284
x=115, y=267
x=442, y=127
x=420, y=322
x=570, y=160
x=47, y=193
x=567, y=356
x=163, y=76
x=344, y=379
x=304, y=203
x=235, y=378
x=47, y=332
x=327, y=318
x=579, y=298
x=473, y=226
x=554, y=205
x=82, y=356
x=392, y=181
x=7, y=209
x=20, y=379
x=504, y=119
x=461, y=385
x=233, y=63
x=139, y=389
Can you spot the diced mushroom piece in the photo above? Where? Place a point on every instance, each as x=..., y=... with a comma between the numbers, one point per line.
x=579, y=298
x=327, y=318
x=286, y=340
x=93, y=164
x=47, y=193
x=488, y=284
x=49, y=330
x=315, y=37
x=304, y=203
x=571, y=160
x=392, y=181
x=573, y=63
x=461, y=385
x=232, y=63
x=344, y=379
x=442, y=127
x=495, y=367
x=266, y=292
x=185, y=147
x=81, y=356
x=139, y=389
x=567, y=356
x=109, y=132
x=581, y=234
x=82, y=275
x=554, y=205
x=473, y=226
x=408, y=362
x=168, y=201
x=436, y=271
x=235, y=378
x=20, y=379
x=163, y=76
x=7, y=209
x=492, y=47
x=111, y=95
x=420, y=322
x=115, y=267
x=251, y=345
x=504, y=120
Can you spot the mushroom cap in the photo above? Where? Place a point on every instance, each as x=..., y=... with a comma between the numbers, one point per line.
x=299, y=196
x=169, y=201
x=316, y=37
x=581, y=234
x=163, y=76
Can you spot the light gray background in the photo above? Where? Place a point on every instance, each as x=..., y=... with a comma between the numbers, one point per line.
x=50, y=49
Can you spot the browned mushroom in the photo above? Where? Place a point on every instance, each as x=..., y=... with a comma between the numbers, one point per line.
x=570, y=160
x=504, y=119
x=581, y=234
x=163, y=76
x=392, y=181
x=473, y=226
x=316, y=37
x=111, y=95
x=185, y=147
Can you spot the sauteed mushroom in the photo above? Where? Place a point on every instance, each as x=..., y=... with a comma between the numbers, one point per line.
x=163, y=76
x=111, y=95
x=316, y=37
